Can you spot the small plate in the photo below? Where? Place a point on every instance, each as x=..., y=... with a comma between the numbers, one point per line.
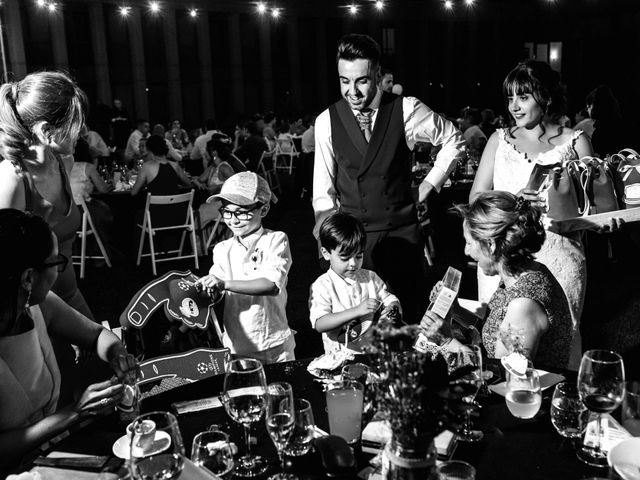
x=161, y=442
x=625, y=458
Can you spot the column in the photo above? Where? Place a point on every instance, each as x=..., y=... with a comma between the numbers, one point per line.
x=59, y=41
x=138, y=73
x=322, y=76
x=235, y=51
x=295, y=77
x=100, y=55
x=206, y=68
x=266, y=69
x=174, y=84
x=15, y=41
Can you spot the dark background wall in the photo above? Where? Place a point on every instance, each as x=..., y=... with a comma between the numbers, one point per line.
x=448, y=59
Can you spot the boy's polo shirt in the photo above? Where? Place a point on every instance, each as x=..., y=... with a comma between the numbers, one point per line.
x=254, y=322
x=331, y=293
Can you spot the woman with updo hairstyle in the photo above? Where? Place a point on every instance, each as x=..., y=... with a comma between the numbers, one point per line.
x=31, y=410
x=219, y=169
x=40, y=120
x=159, y=175
x=534, y=95
x=503, y=233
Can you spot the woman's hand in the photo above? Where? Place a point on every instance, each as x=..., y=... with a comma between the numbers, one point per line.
x=533, y=197
x=99, y=398
x=126, y=368
x=435, y=328
x=614, y=225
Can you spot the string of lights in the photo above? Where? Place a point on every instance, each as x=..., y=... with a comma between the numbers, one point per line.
x=266, y=8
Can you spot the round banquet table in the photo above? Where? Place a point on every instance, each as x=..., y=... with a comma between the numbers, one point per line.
x=511, y=449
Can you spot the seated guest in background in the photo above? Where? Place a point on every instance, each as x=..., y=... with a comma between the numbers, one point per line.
x=134, y=149
x=502, y=233
x=346, y=292
x=488, y=124
x=29, y=313
x=199, y=150
x=178, y=137
x=473, y=135
x=251, y=149
x=97, y=147
x=158, y=175
x=175, y=155
x=219, y=169
x=386, y=80
x=84, y=179
x=285, y=139
x=304, y=172
x=251, y=269
x=611, y=132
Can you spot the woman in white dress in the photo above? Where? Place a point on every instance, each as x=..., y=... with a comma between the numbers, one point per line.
x=533, y=93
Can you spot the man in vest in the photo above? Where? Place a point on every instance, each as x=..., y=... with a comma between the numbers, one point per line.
x=363, y=167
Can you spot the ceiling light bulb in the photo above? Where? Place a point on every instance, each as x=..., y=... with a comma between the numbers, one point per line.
x=193, y=13
x=124, y=11
x=155, y=7
x=52, y=7
x=275, y=13
x=379, y=5
x=262, y=8
x=448, y=4
x=353, y=9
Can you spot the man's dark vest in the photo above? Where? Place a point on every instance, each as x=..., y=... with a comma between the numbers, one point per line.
x=373, y=180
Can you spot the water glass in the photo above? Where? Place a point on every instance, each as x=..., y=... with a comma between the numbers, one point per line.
x=456, y=470
x=344, y=408
x=156, y=449
x=358, y=372
x=302, y=436
x=569, y=416
x=212, y=451
x=524, y=395
x=631, y=409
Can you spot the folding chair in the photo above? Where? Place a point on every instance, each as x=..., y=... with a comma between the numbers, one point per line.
x=88, y=228
x=180, y=208
x=267, y=169
x=209, y=225
x=285, y=149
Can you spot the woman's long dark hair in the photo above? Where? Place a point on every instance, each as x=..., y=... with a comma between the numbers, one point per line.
x=25, y=241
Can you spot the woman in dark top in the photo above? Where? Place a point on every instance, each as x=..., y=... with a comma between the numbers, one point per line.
x=611, y=132
x=159, y=175
x=502, y=233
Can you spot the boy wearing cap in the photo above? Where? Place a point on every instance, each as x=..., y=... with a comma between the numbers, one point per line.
x=251, y=270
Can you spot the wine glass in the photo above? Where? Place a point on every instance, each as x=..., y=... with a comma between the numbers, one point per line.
x=467, y=387
x=156, y=449
x=280, y=421
x=601, y=386
x=244, y=395
x=303, y=428
x=568, y=414
x=212, y=451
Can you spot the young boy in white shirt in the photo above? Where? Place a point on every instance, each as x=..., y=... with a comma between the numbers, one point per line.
x=251, y=270
x=346, y=293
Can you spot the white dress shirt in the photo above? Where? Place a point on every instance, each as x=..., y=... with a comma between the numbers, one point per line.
x=133, y=145
x=421, y=124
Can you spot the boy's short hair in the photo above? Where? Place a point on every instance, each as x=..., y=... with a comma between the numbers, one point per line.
x=344, y=232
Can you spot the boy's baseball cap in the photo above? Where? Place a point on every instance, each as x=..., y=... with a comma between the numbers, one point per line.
x=244, y=189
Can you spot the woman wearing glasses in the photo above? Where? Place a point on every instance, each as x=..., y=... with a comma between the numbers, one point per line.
x=29, y=313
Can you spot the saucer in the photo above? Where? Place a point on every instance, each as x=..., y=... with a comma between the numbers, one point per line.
x=625, y=458
x=161, y=442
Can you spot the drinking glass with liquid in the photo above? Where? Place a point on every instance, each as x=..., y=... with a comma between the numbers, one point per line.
x=569, y=416
x=524, y=395
x=212, y=451
x=344, y=408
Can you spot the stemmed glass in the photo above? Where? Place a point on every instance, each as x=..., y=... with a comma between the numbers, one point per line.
x=244, y=398
x=212, y=451
x=280, y=418
x=467, y=386
x=601, y=386
x=156, y=449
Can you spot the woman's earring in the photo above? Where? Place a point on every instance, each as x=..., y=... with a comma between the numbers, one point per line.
x=26, y=304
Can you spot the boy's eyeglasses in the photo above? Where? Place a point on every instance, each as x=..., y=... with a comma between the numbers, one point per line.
x=61, y=263
x=241, y=215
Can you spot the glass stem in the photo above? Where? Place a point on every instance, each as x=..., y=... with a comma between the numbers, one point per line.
x=281, y=455
x=247, y=438
x=596, y=445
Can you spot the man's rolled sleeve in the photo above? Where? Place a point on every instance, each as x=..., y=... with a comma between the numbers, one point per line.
x=324, y=171
x=319, y=302
x=424, y=125
x=277, y=262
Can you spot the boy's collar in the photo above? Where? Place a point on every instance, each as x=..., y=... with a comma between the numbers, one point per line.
x=248, y=240
x=349, y=281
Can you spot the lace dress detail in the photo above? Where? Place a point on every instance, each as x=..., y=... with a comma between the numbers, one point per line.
x=542, y=287
x=563, y=255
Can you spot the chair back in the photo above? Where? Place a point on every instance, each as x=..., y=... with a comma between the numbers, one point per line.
x=285, y=146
